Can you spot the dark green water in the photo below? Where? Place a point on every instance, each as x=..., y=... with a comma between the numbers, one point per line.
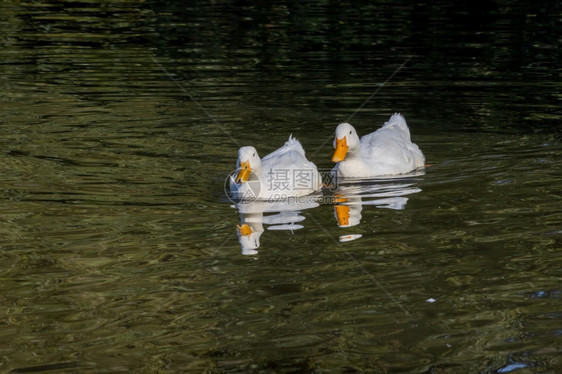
x=121, y=120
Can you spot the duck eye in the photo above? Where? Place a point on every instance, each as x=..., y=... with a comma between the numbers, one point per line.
x=254, y=155
x=349, y=132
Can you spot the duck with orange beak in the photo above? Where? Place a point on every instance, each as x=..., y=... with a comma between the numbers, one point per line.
x=284, y=173
x=387, y=151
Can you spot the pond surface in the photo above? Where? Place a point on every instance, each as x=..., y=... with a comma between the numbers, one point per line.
x=122, y=120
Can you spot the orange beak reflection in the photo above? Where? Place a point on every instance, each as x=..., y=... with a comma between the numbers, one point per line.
x=339, y=198
x=244, y=173
x=341, y=150
x=342, y=212
x=244, y=229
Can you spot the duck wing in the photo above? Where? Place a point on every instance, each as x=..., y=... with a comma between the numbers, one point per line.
x=289, y=161
x=391, y=145
x=290, y=155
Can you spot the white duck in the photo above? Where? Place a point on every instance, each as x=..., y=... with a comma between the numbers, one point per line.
x=286, y=215
x=283, y=173
x=387, y=151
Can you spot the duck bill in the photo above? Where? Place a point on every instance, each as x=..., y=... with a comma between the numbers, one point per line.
x=244, y=230
x=342, y=213
x=341, y=150
x=244, y=173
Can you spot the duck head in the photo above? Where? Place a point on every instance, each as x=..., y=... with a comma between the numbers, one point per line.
x=346, y=141
x=348, y=215
x=248, y=162
x=249, y=239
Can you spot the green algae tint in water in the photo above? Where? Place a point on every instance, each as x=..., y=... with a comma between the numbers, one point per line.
x=119, y=248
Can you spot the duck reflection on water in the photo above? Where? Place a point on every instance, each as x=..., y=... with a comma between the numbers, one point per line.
x=348, y=200
x=352, y=195
x=284, y=214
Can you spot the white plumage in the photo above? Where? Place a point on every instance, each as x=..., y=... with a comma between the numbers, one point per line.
x=283, y=173
x=387, y=151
